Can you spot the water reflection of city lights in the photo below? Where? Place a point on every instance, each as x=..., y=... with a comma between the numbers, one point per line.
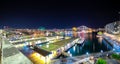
x=90, y=35
x=69, y=52
x=87, y=53
x=74, y=48
x=100, y=39
x=77, y=49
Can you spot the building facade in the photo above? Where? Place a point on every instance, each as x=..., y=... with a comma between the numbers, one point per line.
x=113, y=28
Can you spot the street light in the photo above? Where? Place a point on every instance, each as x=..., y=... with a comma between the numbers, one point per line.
x=68, y=52
x=101, y=51
x=70, y=55
x=37, y=54
x=87, y=53
x=74, y=48
x=113, y=49
x=47, y=46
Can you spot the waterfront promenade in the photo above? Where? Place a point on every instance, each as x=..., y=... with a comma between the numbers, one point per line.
x=82, y=58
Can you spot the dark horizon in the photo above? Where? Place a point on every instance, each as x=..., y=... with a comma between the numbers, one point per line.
x=58, y=14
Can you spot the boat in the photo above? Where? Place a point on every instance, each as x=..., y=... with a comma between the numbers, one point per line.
x=80, y=41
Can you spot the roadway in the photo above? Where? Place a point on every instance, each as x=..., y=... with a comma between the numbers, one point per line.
x=81, y=59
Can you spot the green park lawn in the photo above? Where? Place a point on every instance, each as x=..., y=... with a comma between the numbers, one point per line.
x=56, y=45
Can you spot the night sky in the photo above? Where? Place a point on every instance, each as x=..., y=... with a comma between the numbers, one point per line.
x=58, y=14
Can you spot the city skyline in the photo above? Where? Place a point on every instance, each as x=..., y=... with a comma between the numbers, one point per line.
x=59, y=32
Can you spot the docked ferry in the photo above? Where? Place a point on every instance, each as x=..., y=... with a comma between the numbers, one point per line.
x=80, y=41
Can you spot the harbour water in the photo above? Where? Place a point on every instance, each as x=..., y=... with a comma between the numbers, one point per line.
x=92, y=44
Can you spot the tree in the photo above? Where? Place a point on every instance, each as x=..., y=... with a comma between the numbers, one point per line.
x=74, y=29
x=100, y=33
x=101, y=61
x=116, y=56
